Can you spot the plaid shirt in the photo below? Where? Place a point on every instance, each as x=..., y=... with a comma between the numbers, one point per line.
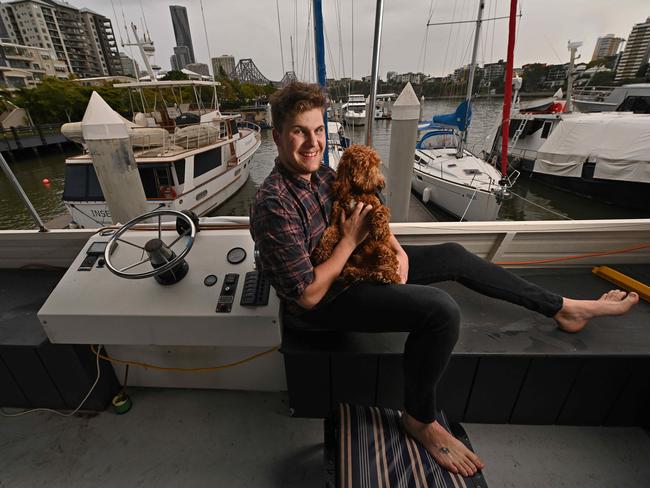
x=288, y=218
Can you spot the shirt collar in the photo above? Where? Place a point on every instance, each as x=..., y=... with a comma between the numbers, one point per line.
x=316, y=178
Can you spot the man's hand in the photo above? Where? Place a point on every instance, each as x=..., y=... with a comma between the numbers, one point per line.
x=356, y=227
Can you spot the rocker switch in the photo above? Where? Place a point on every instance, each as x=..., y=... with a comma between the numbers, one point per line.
x=227, y=296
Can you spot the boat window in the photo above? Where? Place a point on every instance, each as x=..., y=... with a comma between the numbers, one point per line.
x=638, y=105
x=206, y=161
x=76, y=182
x=154, y=177
x=546, y=129
x=233, y=126
x=94, y=189
x=180, y=170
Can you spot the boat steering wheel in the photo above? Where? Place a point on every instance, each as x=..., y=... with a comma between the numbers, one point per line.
x=159, y=254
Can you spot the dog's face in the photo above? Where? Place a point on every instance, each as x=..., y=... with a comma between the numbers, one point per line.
x=359, y=171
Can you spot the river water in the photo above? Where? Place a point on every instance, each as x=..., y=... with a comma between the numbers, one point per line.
x=541, y=202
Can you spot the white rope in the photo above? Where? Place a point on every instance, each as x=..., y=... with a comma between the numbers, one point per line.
x=470, y=202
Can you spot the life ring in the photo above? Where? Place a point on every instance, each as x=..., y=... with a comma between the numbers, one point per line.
x=167, y=192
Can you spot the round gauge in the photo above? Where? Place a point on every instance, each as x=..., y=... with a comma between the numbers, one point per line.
x=236, y=255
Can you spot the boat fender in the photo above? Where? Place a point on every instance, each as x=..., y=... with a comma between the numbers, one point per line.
x=167, y=192
x=426, y=194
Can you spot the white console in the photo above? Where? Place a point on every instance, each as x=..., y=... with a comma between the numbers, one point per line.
x=196, y=322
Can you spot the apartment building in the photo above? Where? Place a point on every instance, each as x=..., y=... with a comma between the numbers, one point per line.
x=606, y=46
x=84, y=40
x=26, y=66
x=636, y=53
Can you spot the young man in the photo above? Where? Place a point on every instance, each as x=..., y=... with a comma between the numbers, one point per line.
x=290, y=213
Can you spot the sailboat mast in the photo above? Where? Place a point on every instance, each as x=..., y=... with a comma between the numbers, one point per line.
x=472, y=72
x=507, y=88
x=372, y=98
x=319, y=41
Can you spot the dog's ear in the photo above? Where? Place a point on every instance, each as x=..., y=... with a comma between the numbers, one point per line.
x=344, y=173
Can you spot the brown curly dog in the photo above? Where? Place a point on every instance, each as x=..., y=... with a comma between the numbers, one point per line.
x=358, y=179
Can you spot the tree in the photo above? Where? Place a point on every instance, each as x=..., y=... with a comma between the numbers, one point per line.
x=533, y=76
x=602, y=78
x=175, y=75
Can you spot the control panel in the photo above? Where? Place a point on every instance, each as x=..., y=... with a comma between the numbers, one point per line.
x=222, y=300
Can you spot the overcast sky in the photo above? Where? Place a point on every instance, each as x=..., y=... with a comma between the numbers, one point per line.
x=249, y=29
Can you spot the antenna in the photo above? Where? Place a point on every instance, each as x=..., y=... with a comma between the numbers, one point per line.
x=207, y=43
x=277, y=9
x=146, y=49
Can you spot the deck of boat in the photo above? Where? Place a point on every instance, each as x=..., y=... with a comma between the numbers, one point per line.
x=247, y=439
x=196, y=438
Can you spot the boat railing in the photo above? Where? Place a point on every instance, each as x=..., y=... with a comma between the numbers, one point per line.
x=530, y=154
x=593, y=93
x=245, y=124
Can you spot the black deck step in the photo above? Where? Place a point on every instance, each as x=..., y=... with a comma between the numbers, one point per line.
x=35, y=373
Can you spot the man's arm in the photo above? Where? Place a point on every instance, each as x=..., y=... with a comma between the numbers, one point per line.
x=354, y=230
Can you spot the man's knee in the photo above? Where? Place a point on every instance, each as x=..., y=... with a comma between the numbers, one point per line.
x=444, y=315
x=452, y=249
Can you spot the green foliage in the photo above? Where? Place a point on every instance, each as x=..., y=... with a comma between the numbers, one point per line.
x=56, y=101
x=602, y=78
x=233, y=93
x=533, y=76
x=175, y=75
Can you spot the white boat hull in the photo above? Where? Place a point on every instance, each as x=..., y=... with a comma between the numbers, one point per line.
x=355, y=119
x=466, y=187
x=459, y=200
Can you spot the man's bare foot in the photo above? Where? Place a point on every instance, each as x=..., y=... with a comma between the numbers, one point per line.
x=575, y=314
x=448, y=451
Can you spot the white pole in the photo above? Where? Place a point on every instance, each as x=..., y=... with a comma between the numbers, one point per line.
x=404, y=132
x=108, y=143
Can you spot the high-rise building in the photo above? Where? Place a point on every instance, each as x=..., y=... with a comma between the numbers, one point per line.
x=226, y=62
x=636, y=53
x=129, y=66
x=104, y=53
x=84, y=41
x=607, y=46
x=4, y=34
x=180, y=58
x=182, y=30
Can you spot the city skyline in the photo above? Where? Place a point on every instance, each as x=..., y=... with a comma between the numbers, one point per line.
x=543, y=33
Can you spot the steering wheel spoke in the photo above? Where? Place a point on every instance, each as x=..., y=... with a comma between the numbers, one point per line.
x=169, y=264
x=130, y=243
x=146, y=260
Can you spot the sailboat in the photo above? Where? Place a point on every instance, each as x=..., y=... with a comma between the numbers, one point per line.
x=446, y=173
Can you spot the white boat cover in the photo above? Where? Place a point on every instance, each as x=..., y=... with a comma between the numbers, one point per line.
x=619, y=144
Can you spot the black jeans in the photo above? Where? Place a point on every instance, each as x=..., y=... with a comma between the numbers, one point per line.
x=430, y=315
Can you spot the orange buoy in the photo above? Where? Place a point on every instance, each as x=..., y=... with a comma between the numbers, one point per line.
x=46, y=181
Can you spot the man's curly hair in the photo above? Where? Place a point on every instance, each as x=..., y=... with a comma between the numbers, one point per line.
x=293, y=99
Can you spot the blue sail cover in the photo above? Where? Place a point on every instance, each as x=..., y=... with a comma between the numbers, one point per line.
x=460, y=118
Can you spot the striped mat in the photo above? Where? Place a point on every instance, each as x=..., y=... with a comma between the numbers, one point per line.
x=372, y=451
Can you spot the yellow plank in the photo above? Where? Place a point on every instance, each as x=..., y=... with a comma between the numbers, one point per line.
x=623, y=281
